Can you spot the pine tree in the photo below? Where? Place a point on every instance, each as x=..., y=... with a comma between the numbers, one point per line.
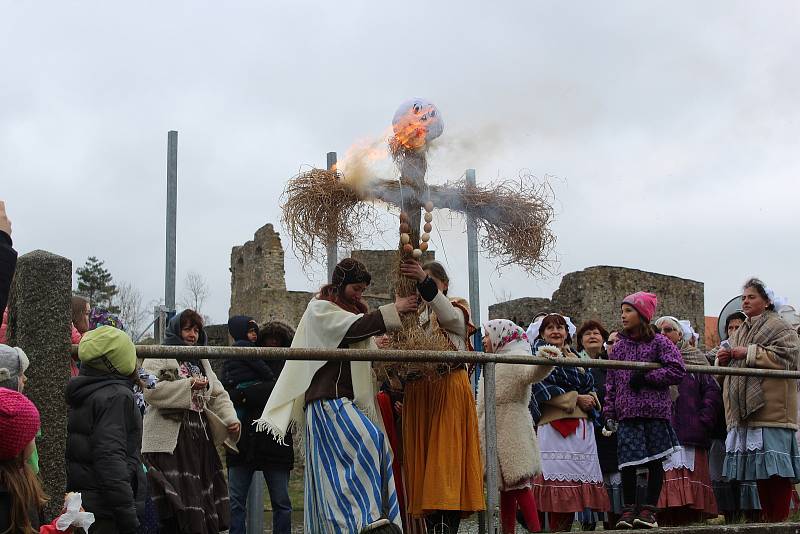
x=95, y=283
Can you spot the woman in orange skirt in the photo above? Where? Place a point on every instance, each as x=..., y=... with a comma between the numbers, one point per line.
x=441, y=445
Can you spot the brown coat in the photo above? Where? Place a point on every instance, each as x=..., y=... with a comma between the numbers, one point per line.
x=780, y=395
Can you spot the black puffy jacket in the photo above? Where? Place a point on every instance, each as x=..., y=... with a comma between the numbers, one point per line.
x=249, y=384
x=8, y=263
x=104, y=443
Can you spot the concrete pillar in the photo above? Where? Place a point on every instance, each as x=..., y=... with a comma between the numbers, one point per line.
x=40, y=307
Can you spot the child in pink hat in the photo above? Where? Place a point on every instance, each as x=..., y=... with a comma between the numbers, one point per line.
x=639, y=404
x=19, y=423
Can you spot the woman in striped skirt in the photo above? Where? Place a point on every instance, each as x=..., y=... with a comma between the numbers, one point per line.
x=349, y=483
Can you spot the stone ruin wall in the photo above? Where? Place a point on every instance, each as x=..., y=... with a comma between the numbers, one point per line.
x=258, y=281
x=595, y=293
x=258, y=289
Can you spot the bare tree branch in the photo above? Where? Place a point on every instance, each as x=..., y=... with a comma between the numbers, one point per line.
x=131, y=311
x=195, y=291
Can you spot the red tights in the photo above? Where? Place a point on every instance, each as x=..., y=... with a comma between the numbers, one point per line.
x=775, y=495
x=509, y=500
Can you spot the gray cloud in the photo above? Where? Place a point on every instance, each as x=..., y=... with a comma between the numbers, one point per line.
x=672, y=128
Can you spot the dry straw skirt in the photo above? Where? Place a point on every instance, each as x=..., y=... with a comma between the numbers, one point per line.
x=441, y=446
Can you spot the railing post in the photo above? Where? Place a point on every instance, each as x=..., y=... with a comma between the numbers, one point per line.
x=488, y=522
x=492, y=485
x=255, y=504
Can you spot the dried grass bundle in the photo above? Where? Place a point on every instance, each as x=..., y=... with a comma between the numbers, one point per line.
x=414, y=339
x=319, y=207
x=514, y=218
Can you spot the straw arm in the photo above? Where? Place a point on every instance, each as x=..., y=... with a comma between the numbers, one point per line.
x=390, y=355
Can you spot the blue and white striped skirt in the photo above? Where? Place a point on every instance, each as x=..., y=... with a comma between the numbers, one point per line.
x=348, y=478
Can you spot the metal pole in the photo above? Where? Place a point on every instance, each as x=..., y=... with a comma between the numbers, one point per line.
x=489, y=521
x=255, y=505
x=172, y=211
x=472, y=258
x=333, y=245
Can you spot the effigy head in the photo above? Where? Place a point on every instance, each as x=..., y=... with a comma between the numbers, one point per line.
x=416, y=123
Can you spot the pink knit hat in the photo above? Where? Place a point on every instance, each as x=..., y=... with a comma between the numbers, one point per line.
x=19, y=423
x=645, y=303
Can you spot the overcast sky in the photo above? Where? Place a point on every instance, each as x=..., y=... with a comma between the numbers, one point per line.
x=672, y=128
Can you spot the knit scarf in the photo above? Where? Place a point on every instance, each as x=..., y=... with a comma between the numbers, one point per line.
x=769, y=332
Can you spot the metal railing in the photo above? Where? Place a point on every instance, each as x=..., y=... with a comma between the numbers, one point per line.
x=420, y=356
x=392, y=355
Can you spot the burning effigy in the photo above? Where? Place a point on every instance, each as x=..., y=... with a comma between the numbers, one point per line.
x=330, y=206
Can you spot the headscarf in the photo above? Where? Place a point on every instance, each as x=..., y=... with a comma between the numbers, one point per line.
x=691, y=355
x=506, y=336
x=533, y=329
x=102, y=317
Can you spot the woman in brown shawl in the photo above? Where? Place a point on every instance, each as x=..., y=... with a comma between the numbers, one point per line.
x=761, y=413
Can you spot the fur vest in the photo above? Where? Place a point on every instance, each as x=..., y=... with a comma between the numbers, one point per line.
x=517, y=447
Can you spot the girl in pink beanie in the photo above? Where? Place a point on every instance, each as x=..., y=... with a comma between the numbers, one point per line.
x=640, y=405
x=21, y=494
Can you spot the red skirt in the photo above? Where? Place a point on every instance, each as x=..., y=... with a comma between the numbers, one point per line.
x=570, y=496
x=692, y=489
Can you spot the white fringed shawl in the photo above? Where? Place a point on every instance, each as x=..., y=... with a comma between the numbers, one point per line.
x=323, y=326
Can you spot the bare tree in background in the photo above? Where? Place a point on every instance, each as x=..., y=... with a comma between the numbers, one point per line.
x=195, y=291
x=129, y=302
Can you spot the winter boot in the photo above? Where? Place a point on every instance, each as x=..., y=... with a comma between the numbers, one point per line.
x=646, y=518
x=628, y=517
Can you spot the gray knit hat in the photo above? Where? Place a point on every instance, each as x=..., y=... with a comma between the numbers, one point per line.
x=13, y=363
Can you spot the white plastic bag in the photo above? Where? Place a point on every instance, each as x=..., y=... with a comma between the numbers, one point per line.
x=73, y=517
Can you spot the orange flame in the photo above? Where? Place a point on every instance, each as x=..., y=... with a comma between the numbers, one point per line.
x=362, y=161
x=410, y=129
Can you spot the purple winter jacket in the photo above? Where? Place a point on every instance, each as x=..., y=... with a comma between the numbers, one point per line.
x=653, y=401
x=697, y=410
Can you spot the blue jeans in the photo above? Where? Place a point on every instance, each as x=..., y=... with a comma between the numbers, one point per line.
x=239, y=479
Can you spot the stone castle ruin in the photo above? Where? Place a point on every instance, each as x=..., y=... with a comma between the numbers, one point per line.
x=596, y=292
x=258, y=289
x=258, y=279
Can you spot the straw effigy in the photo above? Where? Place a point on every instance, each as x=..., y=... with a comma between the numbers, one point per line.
x=513, y=216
